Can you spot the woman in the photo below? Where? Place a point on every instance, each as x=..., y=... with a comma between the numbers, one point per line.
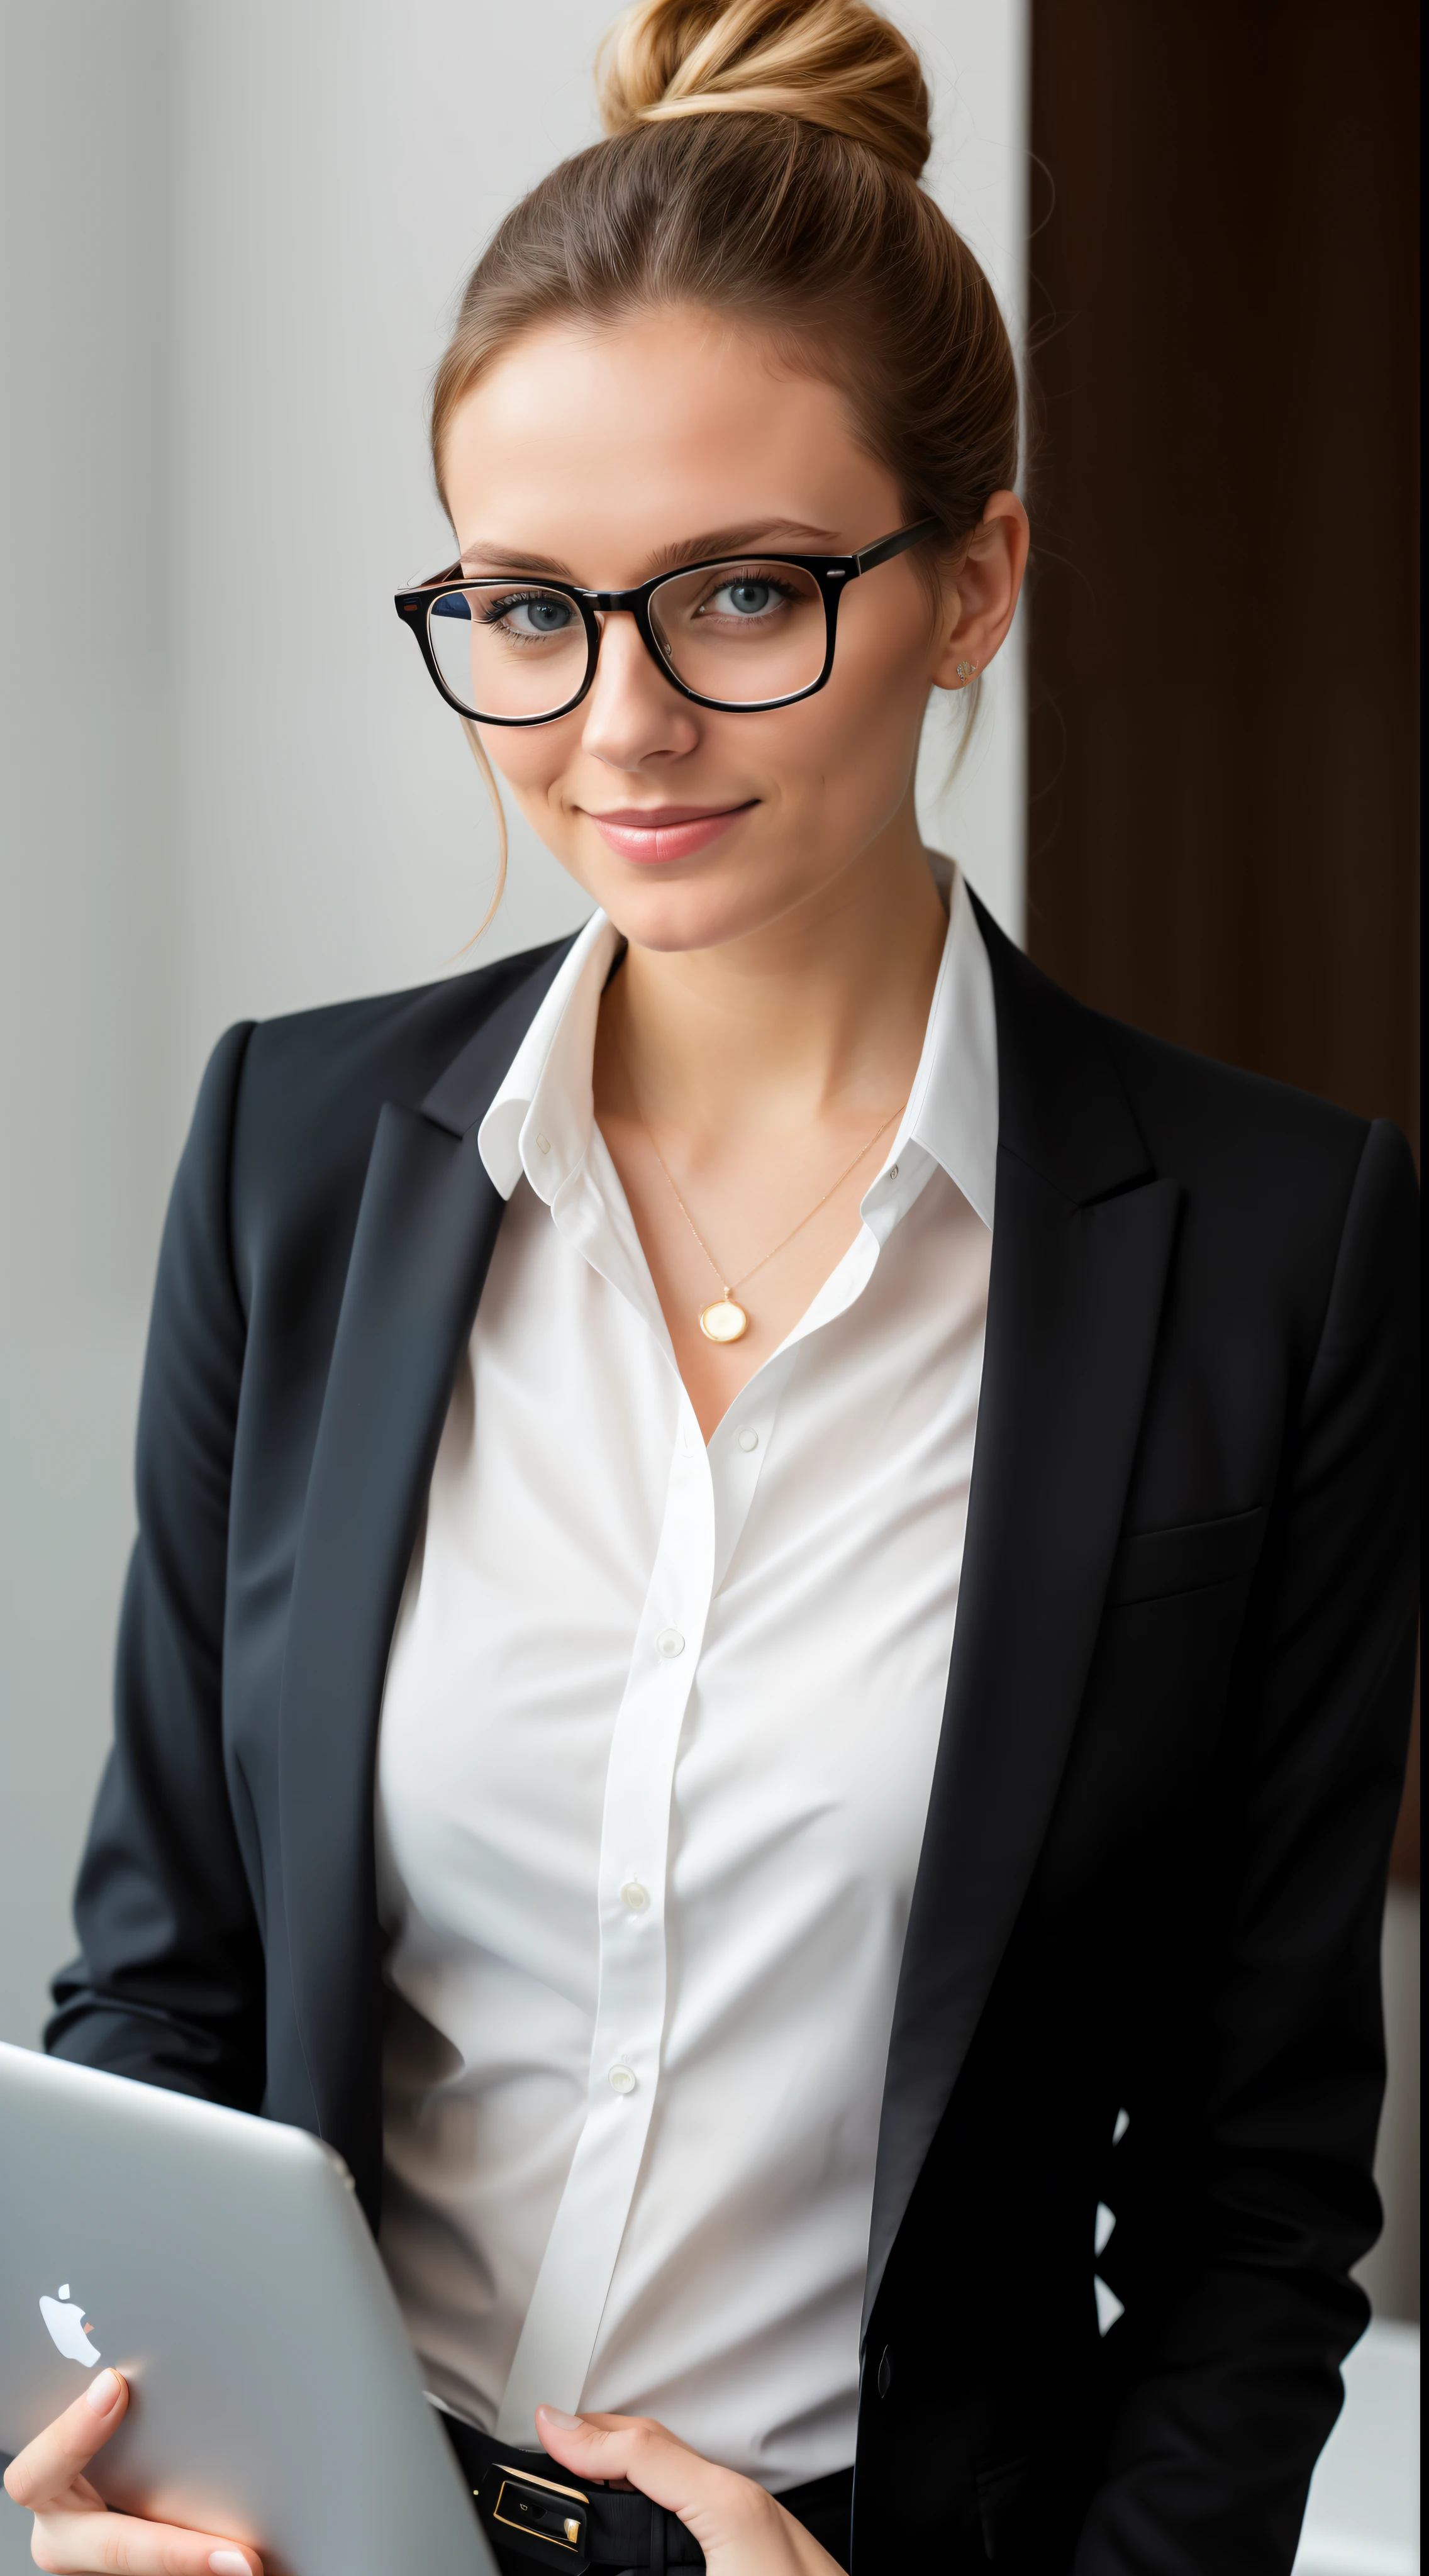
x=812, y=1951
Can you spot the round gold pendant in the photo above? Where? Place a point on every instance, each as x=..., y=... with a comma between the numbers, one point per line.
x=724, y=1321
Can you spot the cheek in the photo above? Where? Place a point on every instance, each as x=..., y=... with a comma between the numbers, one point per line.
x=530, y=762
x=882, y=665
x=858, y=736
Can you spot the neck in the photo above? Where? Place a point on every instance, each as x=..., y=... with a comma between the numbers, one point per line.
x=819, y=1012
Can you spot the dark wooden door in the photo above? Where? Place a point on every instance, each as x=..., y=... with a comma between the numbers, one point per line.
x=1223, y=616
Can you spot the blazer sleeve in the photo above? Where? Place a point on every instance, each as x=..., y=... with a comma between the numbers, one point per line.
x=169, y=1982
x=1233, y=2384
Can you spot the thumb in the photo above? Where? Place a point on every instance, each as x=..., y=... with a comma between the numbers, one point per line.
x=633, y=2447
x=49, y=2465
x=715, y=2504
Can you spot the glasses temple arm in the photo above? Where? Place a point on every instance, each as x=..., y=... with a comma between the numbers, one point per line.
x=898, y=544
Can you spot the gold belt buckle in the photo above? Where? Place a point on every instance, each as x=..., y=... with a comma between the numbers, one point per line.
x=541, y=2520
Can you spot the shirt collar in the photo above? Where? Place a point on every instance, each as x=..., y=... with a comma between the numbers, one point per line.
x=540, y=1120
x=952, y=1108
x=541, y=1117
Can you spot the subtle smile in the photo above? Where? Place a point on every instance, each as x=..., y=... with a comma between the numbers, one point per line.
x=652, y=835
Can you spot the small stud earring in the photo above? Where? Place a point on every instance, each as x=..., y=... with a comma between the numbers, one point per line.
x=967, y=670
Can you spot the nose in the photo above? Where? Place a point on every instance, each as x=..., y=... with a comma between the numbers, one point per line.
x=632, y=715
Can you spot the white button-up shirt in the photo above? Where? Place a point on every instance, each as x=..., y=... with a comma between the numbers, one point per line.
x=656, y=1748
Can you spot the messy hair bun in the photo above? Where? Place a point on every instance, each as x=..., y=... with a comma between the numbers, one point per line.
x=761, y=162
x=830, y=63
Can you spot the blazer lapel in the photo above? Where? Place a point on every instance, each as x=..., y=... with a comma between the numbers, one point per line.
x=1081, y=1243
x=425, y=1231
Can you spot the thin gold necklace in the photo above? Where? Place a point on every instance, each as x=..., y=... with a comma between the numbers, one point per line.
x=724, y=1319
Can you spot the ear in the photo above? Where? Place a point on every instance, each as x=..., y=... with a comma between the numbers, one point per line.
x=981, y=596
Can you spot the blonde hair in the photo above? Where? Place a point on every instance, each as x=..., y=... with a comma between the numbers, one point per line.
x=761, y=161
x=832, y=63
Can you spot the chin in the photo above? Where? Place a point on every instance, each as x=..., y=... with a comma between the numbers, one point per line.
x=692, y=912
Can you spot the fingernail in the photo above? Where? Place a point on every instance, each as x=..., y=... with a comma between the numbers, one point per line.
x=229, y=2562
x=104, y=2397
x=563, y=2423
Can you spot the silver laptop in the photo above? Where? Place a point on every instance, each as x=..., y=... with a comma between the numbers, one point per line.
x=222, y=2264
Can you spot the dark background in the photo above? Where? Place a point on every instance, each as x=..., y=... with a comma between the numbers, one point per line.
x=1223, y=829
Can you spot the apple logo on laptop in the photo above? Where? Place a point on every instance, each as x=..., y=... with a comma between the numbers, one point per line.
x=68, y=2331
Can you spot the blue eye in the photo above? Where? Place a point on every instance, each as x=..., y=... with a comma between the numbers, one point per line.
x=749, y=598
x=526, y=615
x=547, y=616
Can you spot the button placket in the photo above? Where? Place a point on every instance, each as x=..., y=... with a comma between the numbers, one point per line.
x=738, y=1451
x=563, y=2319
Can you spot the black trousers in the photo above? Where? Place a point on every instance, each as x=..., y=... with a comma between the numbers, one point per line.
x=519, y=2495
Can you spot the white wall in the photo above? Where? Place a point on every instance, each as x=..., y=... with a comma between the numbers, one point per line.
x=233, y=238
x=1390, y=2271
x=86, y=951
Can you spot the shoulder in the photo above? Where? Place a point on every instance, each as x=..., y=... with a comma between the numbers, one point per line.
x=1282, y=1196
x=289, y=1106
x=1278, y=1182
x=1203, y=1119
x=336, y=1066
x=1211, y=1126
x=313, y=1082
x=1271, y=1172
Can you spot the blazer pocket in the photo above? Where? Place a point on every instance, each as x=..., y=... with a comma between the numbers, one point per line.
x=1007, y=2510
x=1153, y=1564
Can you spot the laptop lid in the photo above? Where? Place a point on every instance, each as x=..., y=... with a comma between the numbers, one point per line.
x=222, y=2264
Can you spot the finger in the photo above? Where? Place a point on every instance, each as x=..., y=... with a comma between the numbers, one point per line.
x=51, y=2463
x=114, y=2544
x=658, y=2463
x=737, y=2524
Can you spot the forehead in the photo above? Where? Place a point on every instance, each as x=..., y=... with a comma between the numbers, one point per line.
x=599, y=445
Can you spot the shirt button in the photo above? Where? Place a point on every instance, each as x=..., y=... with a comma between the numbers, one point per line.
x=749, y=1440
x=670, y=1642
x=622, y=2079
x=893, y=1171
x=545, y=1144
x=635, y=1896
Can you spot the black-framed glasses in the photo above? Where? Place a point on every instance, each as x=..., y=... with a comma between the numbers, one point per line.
x=737, y=633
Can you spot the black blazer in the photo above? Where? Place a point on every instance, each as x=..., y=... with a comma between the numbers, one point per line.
x=1154, y=1864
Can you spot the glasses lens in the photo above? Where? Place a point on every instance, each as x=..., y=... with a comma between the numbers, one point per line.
x=742, y=632
x=508, y=649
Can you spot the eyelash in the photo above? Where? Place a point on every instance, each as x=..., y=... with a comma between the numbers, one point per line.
x=494, y=611
x=756, y=573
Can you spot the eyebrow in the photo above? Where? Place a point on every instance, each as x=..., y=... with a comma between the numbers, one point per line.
x=765, y=534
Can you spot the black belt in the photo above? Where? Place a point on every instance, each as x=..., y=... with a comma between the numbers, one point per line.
x=534, y=2510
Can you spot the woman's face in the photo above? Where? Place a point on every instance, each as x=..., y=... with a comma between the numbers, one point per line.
x=603, y=455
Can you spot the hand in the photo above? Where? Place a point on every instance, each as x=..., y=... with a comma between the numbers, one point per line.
x=75, y=2534
x=742, y=2530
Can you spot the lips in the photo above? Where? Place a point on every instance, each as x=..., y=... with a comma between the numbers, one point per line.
x=653, y=835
